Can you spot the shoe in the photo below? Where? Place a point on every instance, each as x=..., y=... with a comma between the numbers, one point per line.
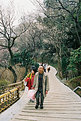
x=32, y=101
x=36, y=107
x=29, y=101
x=41, y=106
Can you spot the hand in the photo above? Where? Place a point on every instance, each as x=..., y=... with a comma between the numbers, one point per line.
x=32, y=88
x=46, y=92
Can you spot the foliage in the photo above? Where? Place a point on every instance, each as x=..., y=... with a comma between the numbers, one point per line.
x=64, y=59
x=35, y=64
x=76, y=79
x=74, y=82
x=49, y=39
x=49, y=2
x=22, y=58
x=64, y=32
x=75, y=61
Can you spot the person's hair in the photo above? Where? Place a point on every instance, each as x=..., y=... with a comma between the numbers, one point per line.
x=42, y=66
x=34, y=69
x=48, y=69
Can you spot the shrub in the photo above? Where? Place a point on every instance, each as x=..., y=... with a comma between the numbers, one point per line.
x=4, y=83
x=75, y=82
x=75, y=61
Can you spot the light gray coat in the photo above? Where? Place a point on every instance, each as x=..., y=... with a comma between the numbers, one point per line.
x=45, y=83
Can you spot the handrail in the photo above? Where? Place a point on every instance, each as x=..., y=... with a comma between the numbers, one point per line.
x=5, y=89
x=78, y=87
x=8, y=98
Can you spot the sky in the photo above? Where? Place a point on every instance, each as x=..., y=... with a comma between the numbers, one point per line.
x=21, y=7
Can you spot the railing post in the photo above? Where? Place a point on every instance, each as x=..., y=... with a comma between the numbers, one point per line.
x=18, y=93
x=22, y=85
x=0, y=105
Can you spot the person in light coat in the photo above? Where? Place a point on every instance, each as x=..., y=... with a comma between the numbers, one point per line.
x=41, y=85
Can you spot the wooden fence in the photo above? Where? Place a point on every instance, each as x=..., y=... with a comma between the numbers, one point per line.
x=5, y=89
x=8, y=98
x=11, y=95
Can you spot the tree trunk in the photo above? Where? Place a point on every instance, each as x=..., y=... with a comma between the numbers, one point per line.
x=14, y=73
x=11, y=56
x=59, y=63
x=10, y=52
x=79, y=40
x=42, y=60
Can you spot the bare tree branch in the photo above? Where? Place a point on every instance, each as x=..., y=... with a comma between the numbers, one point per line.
x=3, y=46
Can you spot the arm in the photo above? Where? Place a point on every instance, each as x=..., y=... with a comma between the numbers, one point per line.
x=47, y=84
x=34, y=83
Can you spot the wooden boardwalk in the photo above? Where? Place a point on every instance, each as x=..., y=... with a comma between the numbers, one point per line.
x=61, y=104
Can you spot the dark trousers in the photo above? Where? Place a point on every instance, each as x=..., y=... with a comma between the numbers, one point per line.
x=39, y=96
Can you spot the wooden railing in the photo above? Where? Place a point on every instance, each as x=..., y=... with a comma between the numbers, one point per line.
x=10, y=94
x=5, y=89
x=8, y=98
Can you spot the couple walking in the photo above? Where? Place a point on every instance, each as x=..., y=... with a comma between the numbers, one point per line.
x=41, y=86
